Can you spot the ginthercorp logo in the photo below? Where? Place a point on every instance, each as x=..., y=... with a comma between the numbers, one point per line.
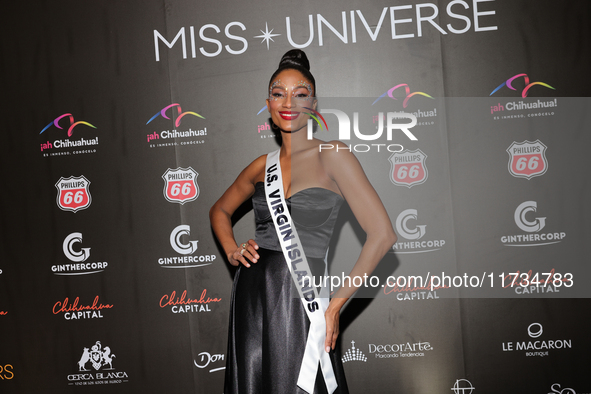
x=78, y=255
x=180, y=185
x=97, y=358
x=527, y=159
x=353, y=354
x=184, y=303
x=72, y=254
x=184, y=136
x=527, y=220
x=213, y=362
x=390, y=93
x=182, y=244
x=408, y=168
x=536, y=347
x=407, y=228
x=528, y=85
x=82, y=145
x=462, y=386
x=73, y=193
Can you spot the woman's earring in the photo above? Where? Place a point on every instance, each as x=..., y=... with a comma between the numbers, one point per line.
x=274, y=126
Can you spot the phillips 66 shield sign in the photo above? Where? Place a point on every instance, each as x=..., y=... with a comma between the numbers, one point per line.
x=408, y=168
x=527, y=159
x=73, y=193
x=180, y=185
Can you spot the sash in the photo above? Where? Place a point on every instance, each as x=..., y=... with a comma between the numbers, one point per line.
x=297, y=263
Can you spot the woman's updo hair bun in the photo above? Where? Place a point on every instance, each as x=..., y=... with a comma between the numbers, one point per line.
x=295, y=59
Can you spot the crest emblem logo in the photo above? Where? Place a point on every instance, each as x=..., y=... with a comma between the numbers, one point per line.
x=408, y=168
x=353, y=354
x=97, y=356
x=527, y=159
x=73, y=193
x=180, y=185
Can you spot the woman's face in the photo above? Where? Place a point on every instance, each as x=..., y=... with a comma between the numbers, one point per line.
x=290, y=94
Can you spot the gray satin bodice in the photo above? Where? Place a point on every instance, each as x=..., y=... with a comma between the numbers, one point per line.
x=314, y=212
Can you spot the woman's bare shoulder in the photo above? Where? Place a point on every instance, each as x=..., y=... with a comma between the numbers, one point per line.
x=255, y=171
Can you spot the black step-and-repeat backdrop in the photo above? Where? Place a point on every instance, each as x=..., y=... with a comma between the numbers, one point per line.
x=123, y=122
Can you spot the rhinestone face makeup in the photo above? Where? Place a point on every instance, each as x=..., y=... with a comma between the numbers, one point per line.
x=280, y=92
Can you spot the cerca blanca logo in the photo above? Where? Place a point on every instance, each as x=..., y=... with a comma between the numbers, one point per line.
x=78, y=255
x=100, y=359
x=182, y=245
x=526, y=220
x=407, y=228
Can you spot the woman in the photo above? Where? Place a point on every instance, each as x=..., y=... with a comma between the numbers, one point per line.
x=273, y=346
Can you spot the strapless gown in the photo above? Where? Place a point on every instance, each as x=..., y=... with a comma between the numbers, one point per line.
x=268, y=324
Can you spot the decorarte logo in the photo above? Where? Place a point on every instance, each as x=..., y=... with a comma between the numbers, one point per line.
x=58, y=145
x=400, y=350
x=73, y=194
x=184, y=136
x=408, y=168
x=100, y=359
x=186, y=249
x=527, y=159
x=180, y=185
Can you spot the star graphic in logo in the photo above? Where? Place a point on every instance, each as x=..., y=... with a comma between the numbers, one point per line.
x=267, y=35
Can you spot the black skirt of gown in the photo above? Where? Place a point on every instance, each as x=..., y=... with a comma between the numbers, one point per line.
x=268, y=324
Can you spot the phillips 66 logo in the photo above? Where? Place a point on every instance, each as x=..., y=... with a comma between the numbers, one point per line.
x=73, y=194
x=408, y=168
x=180, y=185
x=527, y=159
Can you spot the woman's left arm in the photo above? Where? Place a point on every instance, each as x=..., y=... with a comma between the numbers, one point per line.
x=344, y=168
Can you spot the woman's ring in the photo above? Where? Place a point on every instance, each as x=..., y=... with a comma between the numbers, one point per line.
x=242, y=251
x=244, y=245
